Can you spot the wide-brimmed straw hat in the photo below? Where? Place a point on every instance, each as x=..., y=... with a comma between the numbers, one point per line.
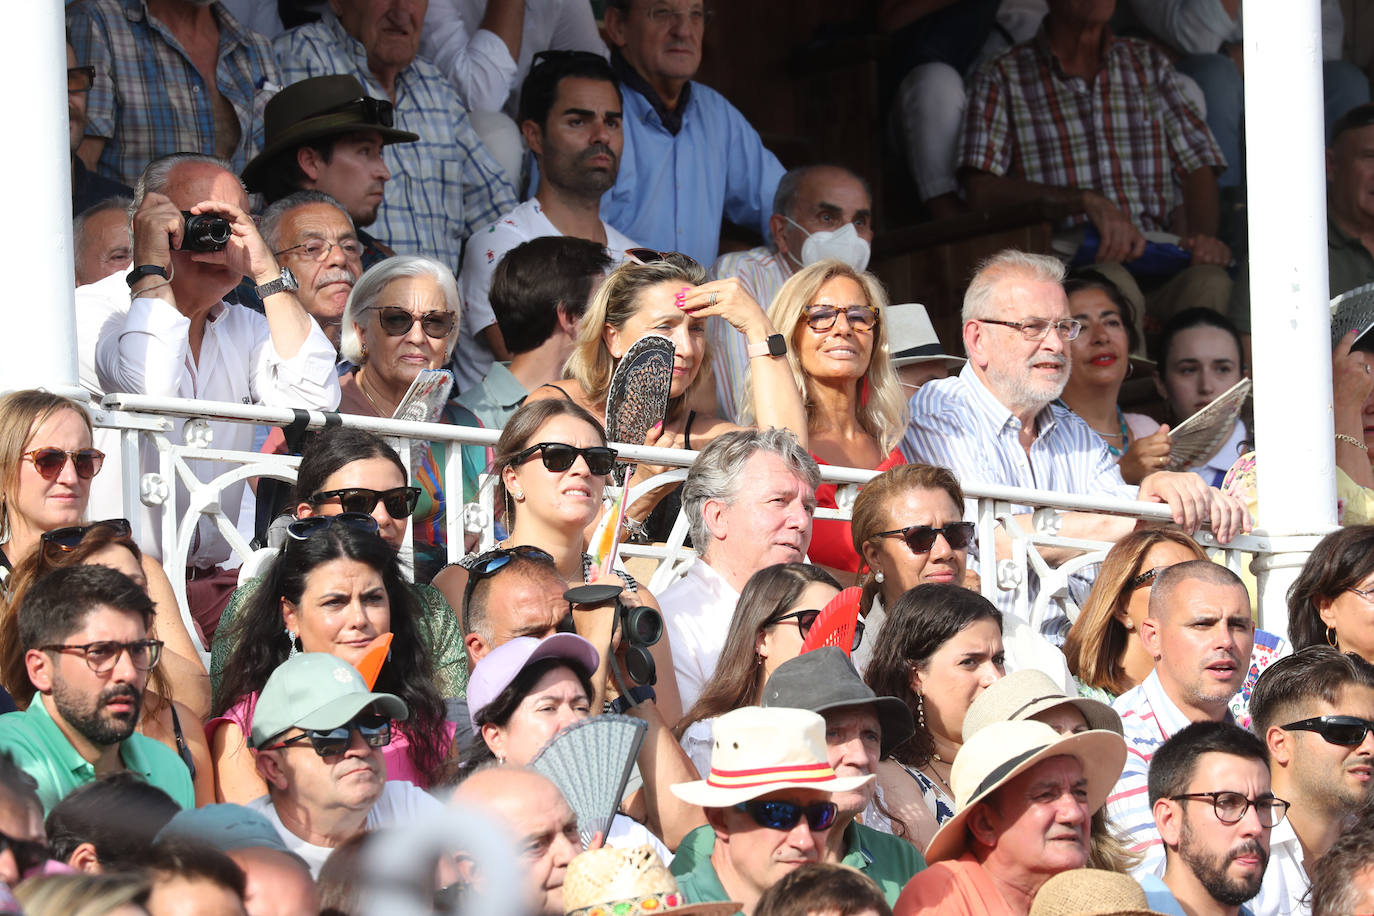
x=1004, y=750
x=1024, y=694
x=629, y=882
x=756, y=751
x=1091, y=892
x=911, y=338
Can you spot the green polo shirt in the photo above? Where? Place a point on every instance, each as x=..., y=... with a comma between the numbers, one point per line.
x=38, y=746
x=495, y=398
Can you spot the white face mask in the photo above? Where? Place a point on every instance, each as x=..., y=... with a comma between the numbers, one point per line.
x=843, y=244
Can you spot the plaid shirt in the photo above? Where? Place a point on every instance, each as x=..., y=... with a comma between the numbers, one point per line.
x=149, y=100
x=1130, y=134
x=445, y=185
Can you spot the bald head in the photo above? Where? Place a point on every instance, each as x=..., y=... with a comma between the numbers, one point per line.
x=276, y=883
x=525, y=598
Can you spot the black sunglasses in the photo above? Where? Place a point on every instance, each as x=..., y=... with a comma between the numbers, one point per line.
x=333, y=742
x=374, y=111
x=50, y=461
x=1347, y=731
x=920, y=538
x=28, y=854
x=784, y=815
x=559, y=456
x=806, y=618
x=80, y=79
x=64, y=540
x=397, y=322
x=303, y=529
x=492, y=562
x=399, y=501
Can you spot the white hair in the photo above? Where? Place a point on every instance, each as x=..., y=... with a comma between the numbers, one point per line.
x=981, y=300
x=375, y=280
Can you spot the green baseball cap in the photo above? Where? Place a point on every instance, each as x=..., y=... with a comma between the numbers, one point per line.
x=316, y=690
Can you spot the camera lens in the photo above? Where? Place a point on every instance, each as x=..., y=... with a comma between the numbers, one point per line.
x=204, y=232
x=643, y=626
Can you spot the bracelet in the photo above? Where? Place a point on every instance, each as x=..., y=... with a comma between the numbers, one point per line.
x=1351, y=440
x=635, y=529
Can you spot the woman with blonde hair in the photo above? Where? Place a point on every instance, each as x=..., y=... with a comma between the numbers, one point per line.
x=84, y=895
x=832, y=317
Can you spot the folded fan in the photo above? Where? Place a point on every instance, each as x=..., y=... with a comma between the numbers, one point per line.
x=836, y=623
x=590, y=762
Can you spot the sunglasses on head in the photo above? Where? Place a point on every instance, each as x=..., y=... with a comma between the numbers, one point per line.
x=303, y=529
x=1347, y=731
x=374, y=111
x=558, y=457
x=646, y=256
x=806, y=618
x=784, y=815
x=399, y=501
x=920, y=538
x=333, y=742
x=28, y=854
x=492, y=562
x=859, y=317
x=50, y=460
x=64, y=540
x=397, y=322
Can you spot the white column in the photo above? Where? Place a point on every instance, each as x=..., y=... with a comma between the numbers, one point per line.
x=39, y=344
x=1289, y=314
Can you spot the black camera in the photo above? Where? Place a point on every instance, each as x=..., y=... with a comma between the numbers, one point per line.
x=204, y=232
x=642, y=626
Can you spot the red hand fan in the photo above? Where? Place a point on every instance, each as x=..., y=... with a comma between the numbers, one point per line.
x=836, y=623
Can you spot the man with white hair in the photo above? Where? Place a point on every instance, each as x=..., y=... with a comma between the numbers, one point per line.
x=312, y=232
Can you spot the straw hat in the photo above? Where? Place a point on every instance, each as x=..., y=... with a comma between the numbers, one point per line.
x=1026, y=693
x=1091, y=892
x=1004, y=750
x=757, y=751
x=628, y=882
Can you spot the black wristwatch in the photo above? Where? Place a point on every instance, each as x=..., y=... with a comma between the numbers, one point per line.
x=146, y=270
x=620, y=705
x=773, y=345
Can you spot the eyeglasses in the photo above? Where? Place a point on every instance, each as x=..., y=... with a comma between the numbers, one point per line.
x=664, y=17
x=101, y=657
x=1366, y=593
x=400, y=502
x=1039, y=328
x=493, y=561
x=1231, y=807
x=49, y=461
x=806, y=618
x=397, y=322
x=1347, y=731
x=318, y=249
x=646, y=256
x=303, y=529
x=784, y=815
x=65, y=540
x=374, y=111
x=920, y=538
x=859, y=317
x=559, y=456
x=80, y=79
x=28, y=854
x=333, y=742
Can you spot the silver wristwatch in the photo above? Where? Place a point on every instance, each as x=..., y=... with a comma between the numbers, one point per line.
x=283, y=284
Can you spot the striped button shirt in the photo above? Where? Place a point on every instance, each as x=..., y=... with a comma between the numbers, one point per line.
x=445, y=185
x=1131, y=134
x=149, y=100
x=761, y=272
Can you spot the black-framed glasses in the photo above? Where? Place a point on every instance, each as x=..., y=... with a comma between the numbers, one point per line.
x=1039, y=328
x=318, y=249
x=1231, y=807
x=1347, y=731
x=559, y=456
x=488, y=564
x=776, y=814
x=859, y=317
x=101, y=657
x=303, y=529
x=28, y=854
x=374, y=111
x=400, y=502
x=333, y=742
x=64, y=540
x=646, y=256
x=921, y=538
x=80, y=79
x=806, y=618
x=50, y=460
x=397, y=322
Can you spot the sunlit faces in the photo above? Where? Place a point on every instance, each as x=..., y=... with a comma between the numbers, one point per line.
x=520, y=604
x=1102, y=349
x=782, y=641
x=355, y=174
x=380, y=474
x=756, y=857
x=39, y=505
x=902, y=568
x=660, y=38
x=579, y=147
x=854, y=739
x=1203, y=362
x=769, y=519
x=571, y=497
x=1065, y=718
x=1227, y=859
x=103, y=246
x=1350, y=616
x=397, y=360
x=843, y=351
x=957, y=673
x=1039, y=820
x=1202, y=643
x=102, y=708
x=343, y=608
x=1160, y=556
x=352, y=781
x=1329, y=776
x=658, y=314
x=545, y=829
x=388, y=29
x=556, y=701
x=324, y=283
x=1026, y=374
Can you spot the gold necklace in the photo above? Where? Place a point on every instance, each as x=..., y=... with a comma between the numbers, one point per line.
x=375, y=406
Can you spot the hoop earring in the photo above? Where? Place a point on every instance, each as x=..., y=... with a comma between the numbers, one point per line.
x=1331, y=639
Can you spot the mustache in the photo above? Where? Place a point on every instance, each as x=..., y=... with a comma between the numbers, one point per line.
x=334, y=275
x=1059, y=359
x=1249, y=848
x=119, y=692
x=599, y=149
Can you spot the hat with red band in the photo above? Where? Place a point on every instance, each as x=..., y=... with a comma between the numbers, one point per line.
x=756, y=751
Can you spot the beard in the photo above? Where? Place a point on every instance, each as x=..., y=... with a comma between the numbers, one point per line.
x=1019, y=388
x=573, y=175
x=90, y=718
x=1210, y=869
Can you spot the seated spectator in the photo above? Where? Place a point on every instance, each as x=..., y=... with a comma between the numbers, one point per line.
x=88, y=187
x=1342, y=880
x=445, y=185
x=570, y=116
x=108, y=825
x=1349, y=216
x=21, y=821
x=1025, y=795
x=193, y=878
x=906, y=525
x=691, y=158
x=326, y=134
x=1200, y=357
x=996, y=422
x=1199, y=632
x=1214, y=860
x=1326, y=605
x=84, y=630
x=776, y=609
x=940, y=646
x=313, y=233
x=539, y=292
x=522, y=597
x=329, y=563
x=823, y=889
x=917, y=354
x=85, y=895
x=819, y=212
x=749, y=497
x=1026, y=105
x=1313, y=711
x=186, y=77
x=769, y=805
x=833, y=319
x=318, y=735
x=860, y=728
x=100, y=240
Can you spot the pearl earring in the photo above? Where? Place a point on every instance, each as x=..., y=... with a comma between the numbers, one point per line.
x=878, y=577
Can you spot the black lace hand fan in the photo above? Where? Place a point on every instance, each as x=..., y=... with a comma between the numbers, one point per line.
x=638, y=396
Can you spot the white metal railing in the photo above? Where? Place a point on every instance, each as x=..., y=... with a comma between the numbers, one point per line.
x=147, y=424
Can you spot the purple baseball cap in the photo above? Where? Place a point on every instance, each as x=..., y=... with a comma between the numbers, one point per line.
x=503, y=664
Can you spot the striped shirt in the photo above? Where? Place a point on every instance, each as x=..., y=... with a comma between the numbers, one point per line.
x=149, y=100
x=762, y=272
x=1131, y=134
x=445, y=185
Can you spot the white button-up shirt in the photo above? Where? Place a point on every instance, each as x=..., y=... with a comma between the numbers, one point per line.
x=697, y=609
x=1284, y=891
